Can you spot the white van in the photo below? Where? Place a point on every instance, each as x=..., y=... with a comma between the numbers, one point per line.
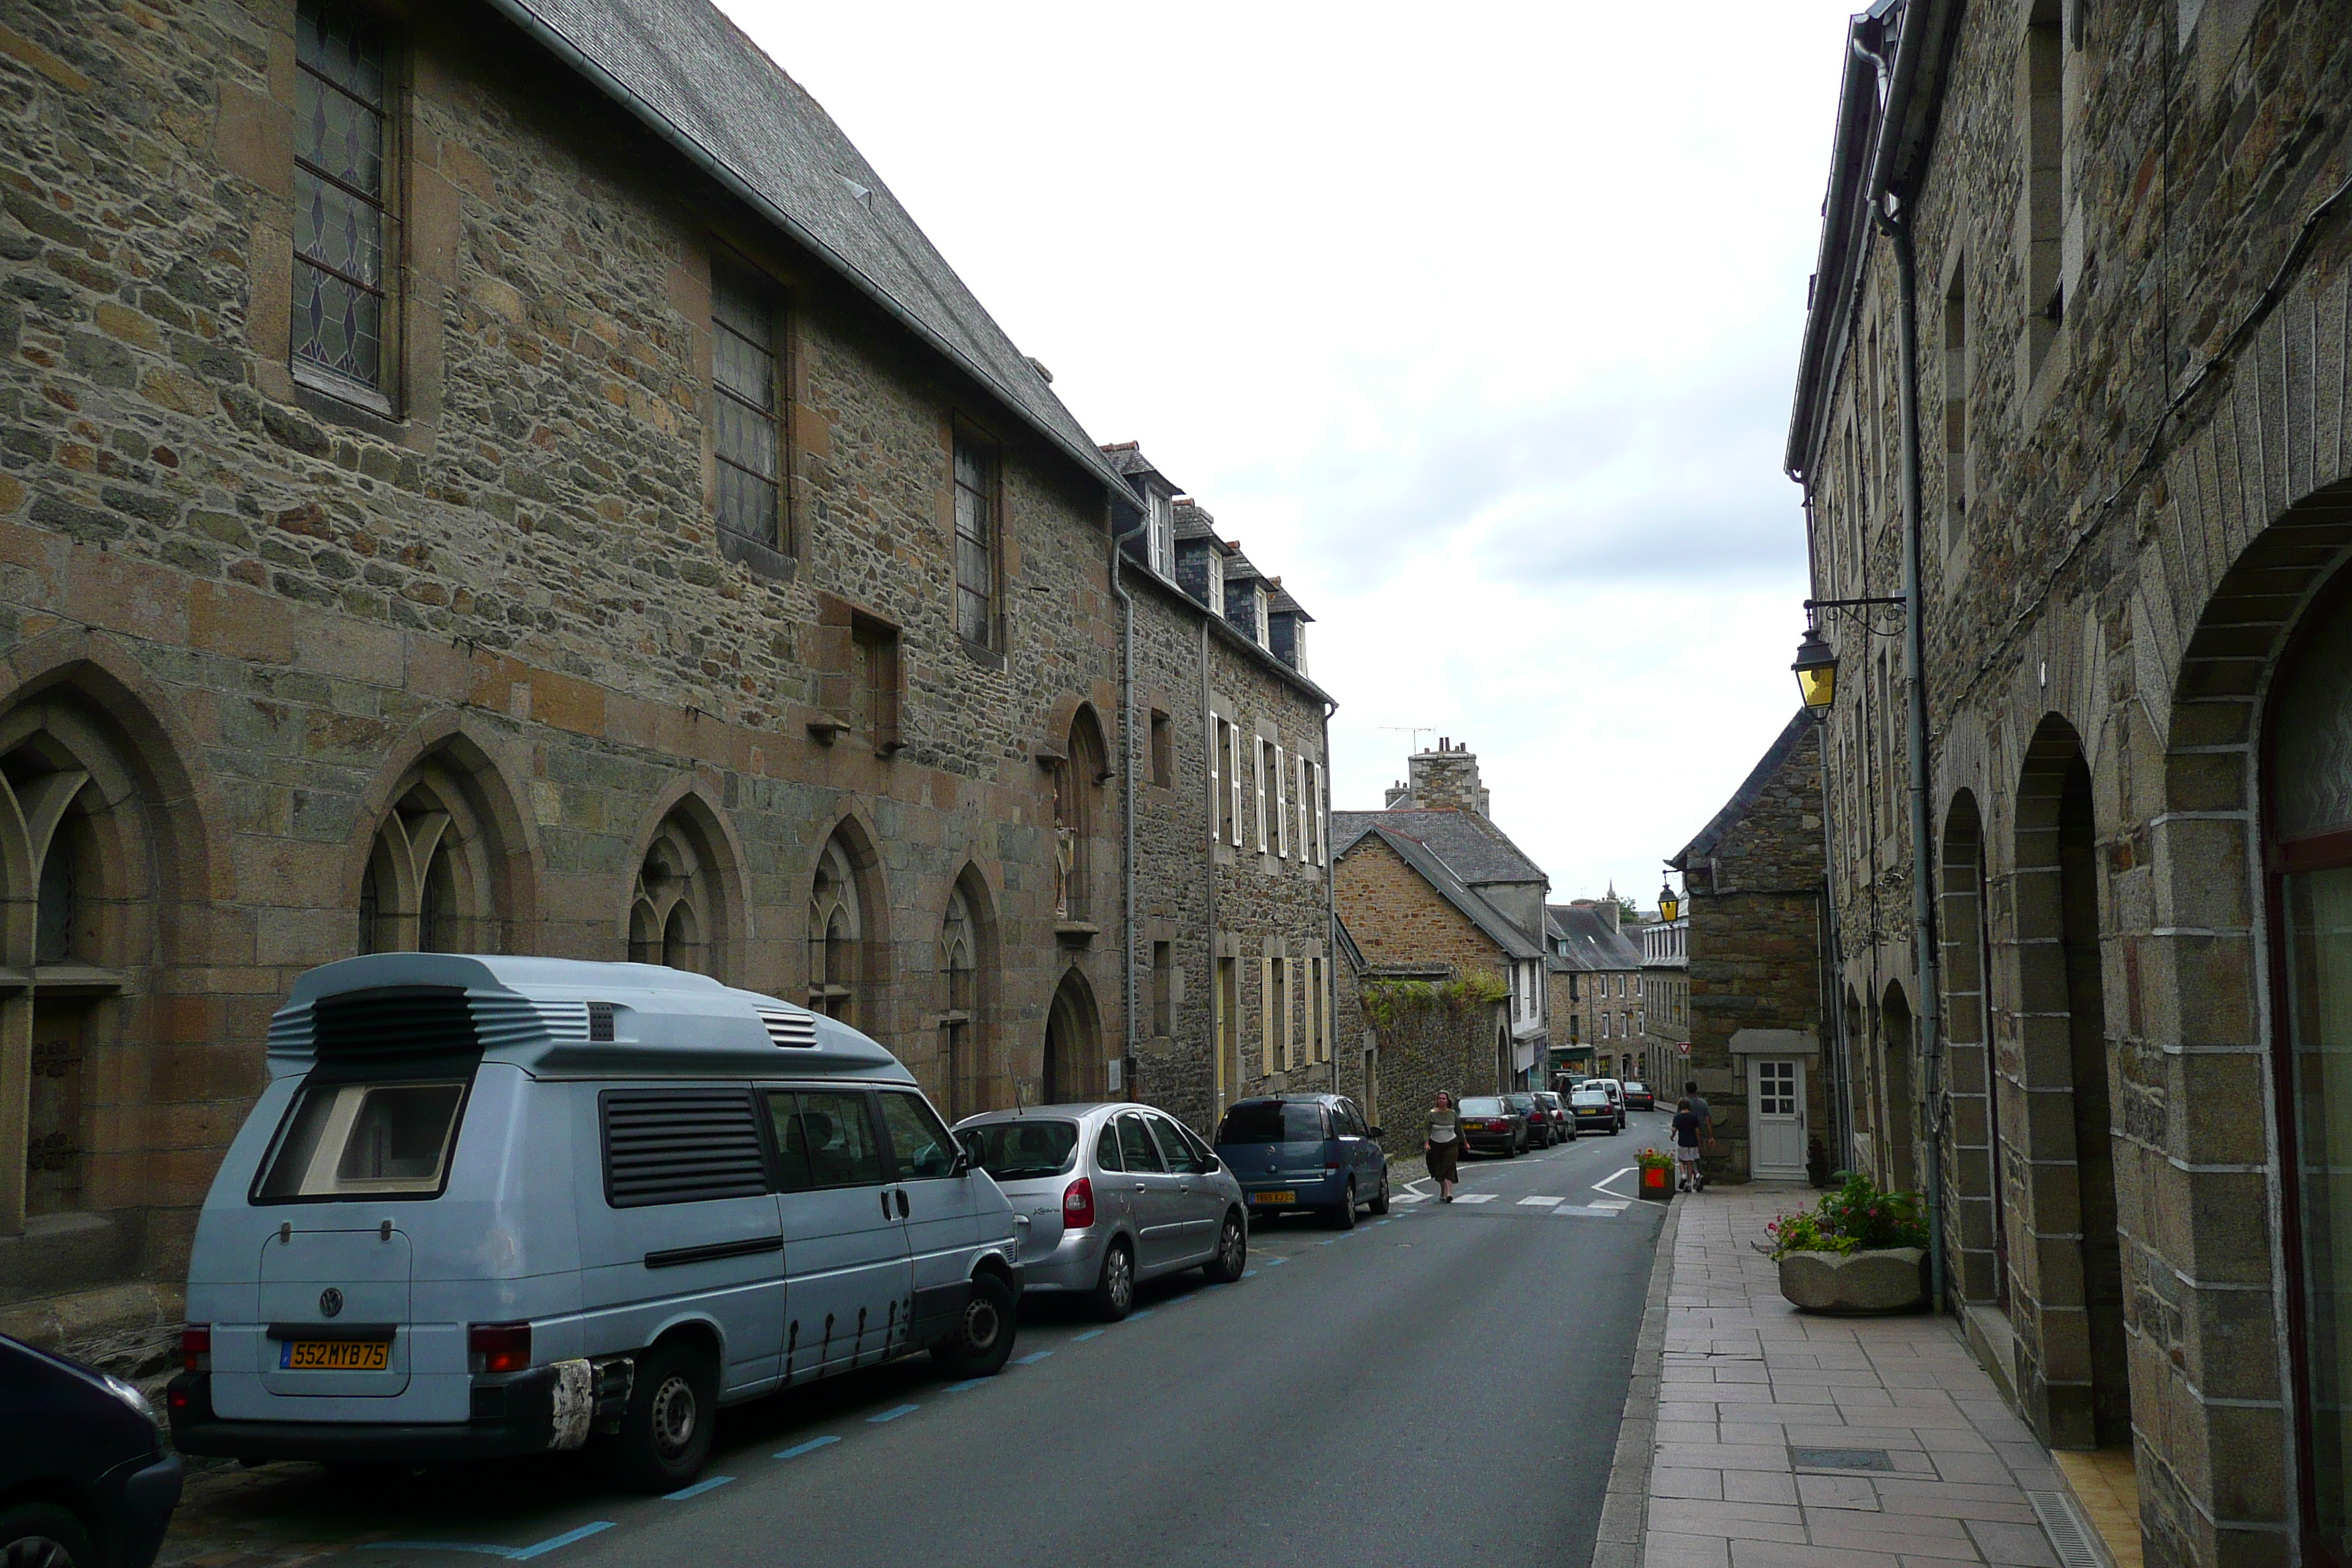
x=498, y=1205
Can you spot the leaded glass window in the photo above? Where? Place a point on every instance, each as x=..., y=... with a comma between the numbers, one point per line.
x=750, y=442
x=975, y=542
x=342, y=223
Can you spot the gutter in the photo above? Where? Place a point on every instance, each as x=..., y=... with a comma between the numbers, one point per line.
x=710, y=164
x=1126, y=787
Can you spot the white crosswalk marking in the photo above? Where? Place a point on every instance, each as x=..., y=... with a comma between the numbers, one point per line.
x=1475, y=1198
x=1539, y=1203
x=1409, y=1197
x=1613, y=1204
x=1581, y=1211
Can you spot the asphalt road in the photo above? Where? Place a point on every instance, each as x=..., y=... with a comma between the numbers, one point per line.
x=1442, y=1386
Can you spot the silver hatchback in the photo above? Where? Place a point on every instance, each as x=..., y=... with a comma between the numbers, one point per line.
x=1107, y=1196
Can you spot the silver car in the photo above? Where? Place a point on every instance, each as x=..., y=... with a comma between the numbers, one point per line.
x=1106, y=1195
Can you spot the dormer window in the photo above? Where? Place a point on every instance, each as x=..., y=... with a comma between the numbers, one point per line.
x=1160, y=534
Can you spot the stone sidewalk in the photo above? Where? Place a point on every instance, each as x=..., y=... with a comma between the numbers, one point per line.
x=1777, y=1439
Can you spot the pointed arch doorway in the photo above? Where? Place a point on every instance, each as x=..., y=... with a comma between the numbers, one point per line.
x=1072, y=1043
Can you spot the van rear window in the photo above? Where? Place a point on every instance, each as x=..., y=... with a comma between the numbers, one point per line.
x=365, y=1139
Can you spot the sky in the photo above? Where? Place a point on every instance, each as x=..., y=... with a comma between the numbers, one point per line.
x=1478, y=324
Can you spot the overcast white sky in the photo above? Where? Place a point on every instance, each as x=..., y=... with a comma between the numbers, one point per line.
x=1478, y=323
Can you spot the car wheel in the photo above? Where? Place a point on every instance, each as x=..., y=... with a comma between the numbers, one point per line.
x=43, y=1535
x=665, y=1436
x=1232, y=1252
x=1344, y=1216
x=983, y=1340
x=1379, y=1204
x=1115, y=1289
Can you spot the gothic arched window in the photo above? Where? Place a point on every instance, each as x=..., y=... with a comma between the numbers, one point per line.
x=959, y=967
x=835, y=925
x=670, y=918
x=426, y=885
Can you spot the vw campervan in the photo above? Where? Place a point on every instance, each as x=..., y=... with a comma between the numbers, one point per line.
x=498, y=1205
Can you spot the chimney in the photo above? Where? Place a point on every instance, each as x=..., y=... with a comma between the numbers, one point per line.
x=1612, y=911
x=1395, y=793
x=1447, y=777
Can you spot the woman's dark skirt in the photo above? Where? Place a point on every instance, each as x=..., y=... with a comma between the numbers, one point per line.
x=1444, y=1161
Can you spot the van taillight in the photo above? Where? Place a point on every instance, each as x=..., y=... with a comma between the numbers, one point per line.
x=1078, y=1204
x=499, y=1347
x=196, y=1347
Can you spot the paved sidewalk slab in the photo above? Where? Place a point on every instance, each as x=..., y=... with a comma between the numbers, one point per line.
x=1787, y=1440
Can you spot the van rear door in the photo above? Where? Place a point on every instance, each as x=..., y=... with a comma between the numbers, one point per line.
x=334, y=1308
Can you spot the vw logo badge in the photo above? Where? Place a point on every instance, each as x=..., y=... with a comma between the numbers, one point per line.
x=331, y=1303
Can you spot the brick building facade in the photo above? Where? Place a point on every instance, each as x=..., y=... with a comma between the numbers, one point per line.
x=511, y=478
x=2074, y=383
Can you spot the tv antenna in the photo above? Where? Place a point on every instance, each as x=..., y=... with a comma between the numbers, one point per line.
x=1415, y=731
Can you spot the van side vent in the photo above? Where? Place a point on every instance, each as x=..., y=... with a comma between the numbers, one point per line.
x=510, y=1020
x=794, y=1030
x=600, y=1022
x=680, y=1145
x=397, y=1021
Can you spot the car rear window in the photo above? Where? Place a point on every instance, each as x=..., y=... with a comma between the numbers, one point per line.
x=1592, y=1097
x=365, y=1139
x=1016, y=1151
x=1637, y=1088
x=1272, y=1122
x=1487, y=1107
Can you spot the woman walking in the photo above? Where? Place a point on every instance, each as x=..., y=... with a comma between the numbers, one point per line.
x=1441, y=1145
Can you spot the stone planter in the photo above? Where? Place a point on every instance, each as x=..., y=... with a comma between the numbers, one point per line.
x=1658, y=1183
x=1892, y=1280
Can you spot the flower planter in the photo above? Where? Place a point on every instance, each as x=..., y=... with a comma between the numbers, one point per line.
x=1658, y=1183
x=1889, y=1279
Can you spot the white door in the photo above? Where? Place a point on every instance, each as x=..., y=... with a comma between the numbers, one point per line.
x=1776, y=1092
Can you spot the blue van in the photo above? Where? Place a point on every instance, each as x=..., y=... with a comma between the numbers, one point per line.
x=500, y=1206
x=1305, y=1151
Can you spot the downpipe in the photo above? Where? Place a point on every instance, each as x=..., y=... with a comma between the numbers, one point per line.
x=1126, y=794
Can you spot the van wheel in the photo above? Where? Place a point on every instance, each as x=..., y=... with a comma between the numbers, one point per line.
x=983, y=1340
x=1232, y=1252
x=1114, y=1290
x=665, y=1437
x=43, y=1535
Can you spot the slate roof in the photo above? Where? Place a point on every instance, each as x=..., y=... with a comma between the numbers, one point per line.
x=1282, y=604
x=1700, y=847
x=1478, y=851
x=1489, y=919
x=702, y=86
x=1592, y=945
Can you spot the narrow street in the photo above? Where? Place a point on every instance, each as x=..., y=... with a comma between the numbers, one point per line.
x=1444, y=1381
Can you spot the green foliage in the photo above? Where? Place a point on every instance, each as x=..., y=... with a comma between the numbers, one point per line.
x=1655, y=1160
x=1386, y=1002
x=1856, y=1217
x=1477, y=989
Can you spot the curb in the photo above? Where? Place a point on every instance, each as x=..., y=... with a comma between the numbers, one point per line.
x=1625, y=1510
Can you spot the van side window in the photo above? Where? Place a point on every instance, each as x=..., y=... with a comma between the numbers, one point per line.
x=681, y=1146
x=1107, y=1147
x=838, y=1132
x=1134, y=1143
x=922, y=1146
x=792, y=1174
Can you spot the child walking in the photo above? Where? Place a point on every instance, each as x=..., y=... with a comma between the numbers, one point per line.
x=1688, y=1126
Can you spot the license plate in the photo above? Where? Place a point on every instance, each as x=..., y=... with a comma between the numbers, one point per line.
x=335, y=1355
x=1284, y=1196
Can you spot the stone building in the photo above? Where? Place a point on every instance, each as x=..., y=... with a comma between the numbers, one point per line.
x=1666, y=996
x=1592, y=969
x=1755, y=909
x=512, y=478
x=2077, y=348
x=1234, y=939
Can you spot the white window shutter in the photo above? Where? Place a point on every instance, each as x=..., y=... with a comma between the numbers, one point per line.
x=1216, y=775
x=1265, y=1013
x=1281, y=807
x=1257, y=753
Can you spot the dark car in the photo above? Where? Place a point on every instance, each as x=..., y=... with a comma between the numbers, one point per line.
x=1591, y=1105
x=1305, y=1151
x=1541, y=1134
x=1555, y=1105
x=85, y=1481
x=1491, y=1123
x=1639, y=1097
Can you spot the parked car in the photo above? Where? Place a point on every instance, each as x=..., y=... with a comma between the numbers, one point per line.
x=1306, y=1152
x=1112, y=1195
x=1540, y=1132
x=84, y=1478
x=1616, y=1093
x=492, y=1205
x=1555, y=1107
x=1491, y=1123
x=1591, y=1107
x=1638, y=1096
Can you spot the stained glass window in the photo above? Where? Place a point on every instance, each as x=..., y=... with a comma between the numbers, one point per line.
x=341, y=222
x=749, y=442
x=975, y=542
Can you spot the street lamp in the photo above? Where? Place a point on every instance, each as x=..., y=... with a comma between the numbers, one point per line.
x=1816, y=669
x=1669, y=907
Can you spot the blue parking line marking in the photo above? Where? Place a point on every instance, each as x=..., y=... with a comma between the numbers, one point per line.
x=1090, y=1334
x=966, y=1385
x=540, y=1549
x=508, y=1552
x=696, y=1489
x=811, y=1446
x=1249, y=1273
x=1145, y=1313
x=1272, y=1261
x=892, y=1414
x=1031, y=1359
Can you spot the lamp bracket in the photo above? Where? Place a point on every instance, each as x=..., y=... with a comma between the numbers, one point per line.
x=1863, y=611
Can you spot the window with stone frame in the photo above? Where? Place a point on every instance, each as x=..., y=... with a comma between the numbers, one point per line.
x=959, y=964
x=345, y=317
x=1163, y=749
x=836, y=931
x=978, y=501
x=1281, y=806
x=1258, y=749
x=1233, y=785
x=747, y=403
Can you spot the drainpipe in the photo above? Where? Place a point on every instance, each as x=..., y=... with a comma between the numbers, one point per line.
x=1322, y=824
x=1893, y=217
x=1127, y=788
x=1209, y=869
